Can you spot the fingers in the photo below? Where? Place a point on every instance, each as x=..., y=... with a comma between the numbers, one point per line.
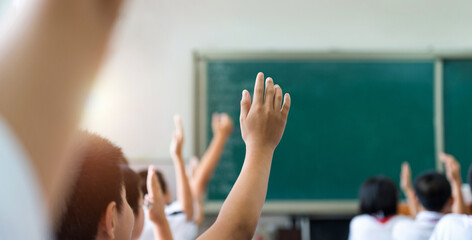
x=153, y=186
x=215, y=117
x=269, y=93
x=259, y=89
x=277, y=97
x=405, y=167
x=178, y=124
x=286, y=106
x=245, y=105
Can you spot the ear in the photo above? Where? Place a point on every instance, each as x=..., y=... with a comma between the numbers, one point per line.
x=108, y=221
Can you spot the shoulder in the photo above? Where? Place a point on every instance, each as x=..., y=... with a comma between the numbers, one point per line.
x=402, y=225
x=172, y=208
x=359, y=219
x=453, y=226
x=456, y=220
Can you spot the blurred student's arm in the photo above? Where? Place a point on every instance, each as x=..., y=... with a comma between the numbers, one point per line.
x=453, y=173
x=262, y=126
x=222, y=127
x=407, y=188
x=155, y=202
x=184, y=194
x=48, y=61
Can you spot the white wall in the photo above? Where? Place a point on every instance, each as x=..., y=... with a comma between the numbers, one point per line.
x=149, y=75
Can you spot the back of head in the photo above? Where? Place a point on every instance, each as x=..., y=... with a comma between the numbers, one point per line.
x=133, y=188
x=99, y=182
x=378, y=196
x=160, y=178
x=432, y=190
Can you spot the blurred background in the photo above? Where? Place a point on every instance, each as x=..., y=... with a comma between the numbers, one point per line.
x=149, y=75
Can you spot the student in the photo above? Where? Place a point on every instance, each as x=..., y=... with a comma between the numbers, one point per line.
x=40, y=103
x=97, y=207
x=431, y=198
x=454, y=226
x=186, y=212
x=201, y=172
x=378, y=206
x=134, y=196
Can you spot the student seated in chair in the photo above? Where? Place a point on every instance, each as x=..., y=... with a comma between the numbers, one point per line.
x=378, y=206
x=430, y=197
x=186, y=213
x=455, y=226
x=97, y=207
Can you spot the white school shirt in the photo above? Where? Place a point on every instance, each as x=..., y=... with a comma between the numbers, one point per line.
x=453, y=227
x=179, y=226
x=22, y=208
x=367, y=227
x=419, y=228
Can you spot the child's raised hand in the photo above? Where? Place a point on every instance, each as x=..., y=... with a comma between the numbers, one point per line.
x=154, y=199
x=177, y=138
x=453, y=168
x=405, y=178
x=263, y=121
x=222, y=124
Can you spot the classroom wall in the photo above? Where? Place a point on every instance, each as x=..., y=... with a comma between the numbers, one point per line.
x=149, y=73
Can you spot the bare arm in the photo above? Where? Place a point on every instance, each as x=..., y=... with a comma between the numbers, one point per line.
x=407, y=188
x=453, y=173
x=184, y=194
x=47, y=65
x=222, y=126
x=262, y=127
x=155, y=202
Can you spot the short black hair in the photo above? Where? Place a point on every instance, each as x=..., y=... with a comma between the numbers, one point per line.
x=378, y=196
x=99, y=182
x=433, y=190
x=133, y=188
x=160, y=178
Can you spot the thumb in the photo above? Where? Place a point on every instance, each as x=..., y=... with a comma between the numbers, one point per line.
x=245, y=104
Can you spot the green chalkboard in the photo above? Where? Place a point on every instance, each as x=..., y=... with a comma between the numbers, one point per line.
x=350, y=119
x=457, y=82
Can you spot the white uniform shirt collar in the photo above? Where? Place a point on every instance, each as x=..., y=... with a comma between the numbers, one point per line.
x=429, y=216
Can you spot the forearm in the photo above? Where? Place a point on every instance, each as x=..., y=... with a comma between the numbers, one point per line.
x=162, y=230
x=410, y=196
x=458, y=205
x=46, y=68
x=207, y=165
x=242, y=208
x=184, y=194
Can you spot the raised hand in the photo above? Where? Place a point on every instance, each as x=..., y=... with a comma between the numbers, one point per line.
x=453, y=168
x=177, y=139
x=222, y=124
x=405, y=178
x=263, y=121
x=453, y=173
x=154, y=198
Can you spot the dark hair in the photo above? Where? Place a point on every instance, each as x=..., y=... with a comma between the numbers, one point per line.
x=160, y=178
x=99, y=182
x=378, y=196
x=133, y=188
x=433, y=190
